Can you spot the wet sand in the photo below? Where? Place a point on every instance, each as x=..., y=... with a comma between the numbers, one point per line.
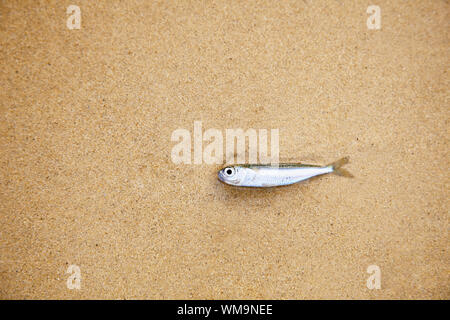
x=87, y=179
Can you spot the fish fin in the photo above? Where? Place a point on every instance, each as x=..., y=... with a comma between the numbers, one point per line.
x=337, y=167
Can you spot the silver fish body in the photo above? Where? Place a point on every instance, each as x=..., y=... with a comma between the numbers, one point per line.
x=281, y=175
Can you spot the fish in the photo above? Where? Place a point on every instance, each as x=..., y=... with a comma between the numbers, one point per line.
x=264, y=176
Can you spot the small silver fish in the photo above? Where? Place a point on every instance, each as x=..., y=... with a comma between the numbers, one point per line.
x=256, y=175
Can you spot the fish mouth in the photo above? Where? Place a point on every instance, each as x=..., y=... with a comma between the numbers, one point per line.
x=221, y=177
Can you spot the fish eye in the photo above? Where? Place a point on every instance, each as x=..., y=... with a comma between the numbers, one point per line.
x=229, y=171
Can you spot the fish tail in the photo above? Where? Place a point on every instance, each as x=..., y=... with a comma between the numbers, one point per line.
x=337, y=167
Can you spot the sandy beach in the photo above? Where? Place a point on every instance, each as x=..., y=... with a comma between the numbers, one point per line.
x=87, y=178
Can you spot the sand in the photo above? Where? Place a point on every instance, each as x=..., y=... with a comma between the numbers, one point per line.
x=87, y=179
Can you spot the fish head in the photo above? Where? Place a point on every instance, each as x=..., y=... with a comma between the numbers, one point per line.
x=233, y=175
